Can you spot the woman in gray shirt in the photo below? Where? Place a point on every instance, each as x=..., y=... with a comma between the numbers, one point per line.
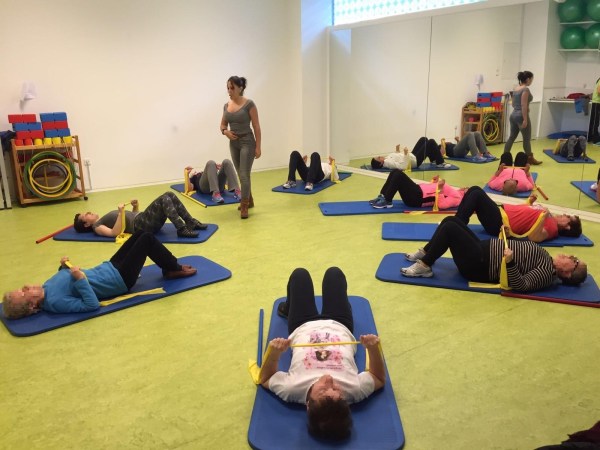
x=238, y=114
x=519, y=119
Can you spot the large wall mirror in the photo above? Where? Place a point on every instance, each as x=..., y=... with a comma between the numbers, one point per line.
x=391, y=83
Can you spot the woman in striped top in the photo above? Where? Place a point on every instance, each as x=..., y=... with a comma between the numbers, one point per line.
x=529, y=266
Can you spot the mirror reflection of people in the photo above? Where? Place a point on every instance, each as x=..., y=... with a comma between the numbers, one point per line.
x=519, y=118
x=594, y=128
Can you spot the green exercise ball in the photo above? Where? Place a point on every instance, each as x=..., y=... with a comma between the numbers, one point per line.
x=592, y=36
x=593, y=9
x=571, y=10
x=572, y=38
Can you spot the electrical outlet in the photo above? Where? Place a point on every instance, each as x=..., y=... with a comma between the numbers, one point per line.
x=87, y=163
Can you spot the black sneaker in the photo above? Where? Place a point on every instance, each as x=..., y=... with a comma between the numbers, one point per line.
x=197, y=225
x=283, y=309
x=187, y=232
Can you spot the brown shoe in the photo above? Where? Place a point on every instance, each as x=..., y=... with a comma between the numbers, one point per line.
x=250, y=202
x=244, y=208
x=533, y=161
x=186, y=271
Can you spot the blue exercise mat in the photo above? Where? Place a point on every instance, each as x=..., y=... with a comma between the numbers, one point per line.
x=471, y=159
x=424, y=167
x=150, y=278
x=363, y=207
x=277, y=425
x=167, y=235
x=445, y=275
x=584, y=186
x=206, y=198
x=524, y=194
x=561, y=159
x=411, y=231
x=318, y=187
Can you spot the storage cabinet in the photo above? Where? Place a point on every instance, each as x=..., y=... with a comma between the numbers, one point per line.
x=42, y=180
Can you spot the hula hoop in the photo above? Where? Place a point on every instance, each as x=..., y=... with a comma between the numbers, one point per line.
x=491, y=128
x=49, y=192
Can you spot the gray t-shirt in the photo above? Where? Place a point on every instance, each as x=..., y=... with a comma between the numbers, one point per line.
x=516, y=98
x=239, y=121
x=110, y=219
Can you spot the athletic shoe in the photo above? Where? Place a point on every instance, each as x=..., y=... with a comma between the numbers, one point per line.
x=382, y=203
x=308, y=187
x=443, y=166
x=489, y=156
x=289, y=184
x=417, y=270
x=371, y=202
x=217, y=198
x=570, y=158
x=414, y=257
x=197, y=225
x=186, y=232
x=479, y=158
x=237, y=194
x=594, y=187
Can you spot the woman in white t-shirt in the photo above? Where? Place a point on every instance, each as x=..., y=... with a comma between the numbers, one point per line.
x=325, y=378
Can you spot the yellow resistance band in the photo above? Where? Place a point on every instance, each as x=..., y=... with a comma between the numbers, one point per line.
x=333, y=171
x=506, y=222
x=255, y=370
x=503, y=272
x=135, y=294
x=187, y=187
x=121, y=238
x=437, y=194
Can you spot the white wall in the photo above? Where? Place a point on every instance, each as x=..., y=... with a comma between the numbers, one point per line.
x=143, y=81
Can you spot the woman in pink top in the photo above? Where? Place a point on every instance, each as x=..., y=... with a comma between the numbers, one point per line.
x=510, y=179
x=417, y=195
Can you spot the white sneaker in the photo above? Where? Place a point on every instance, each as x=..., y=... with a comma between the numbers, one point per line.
x=308, y=187
x=415, y=256
x=594, y=187
x=418, y=269
x=444, y=166
x=289, y=184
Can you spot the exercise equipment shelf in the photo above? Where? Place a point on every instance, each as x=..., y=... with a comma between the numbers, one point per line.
x=60, y=178
x=488, y=123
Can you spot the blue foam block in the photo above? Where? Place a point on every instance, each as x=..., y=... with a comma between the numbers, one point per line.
x=407, y=231
x=561, y=159
x=584, y=186
x=151, y=277
x=19, y=126
x=59, y=116
x=470, y=159
x=276, y=424
x=34, y=126
x=524, y=194
x=167, y=235
x=206, y=198
x=422, y=168
x=318, y=187
x=46, y=117
x=363, y=207
x=445, y=275
x=62, y=132
x=50, y=133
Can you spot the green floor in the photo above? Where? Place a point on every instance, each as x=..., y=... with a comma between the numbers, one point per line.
x=470, y=371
